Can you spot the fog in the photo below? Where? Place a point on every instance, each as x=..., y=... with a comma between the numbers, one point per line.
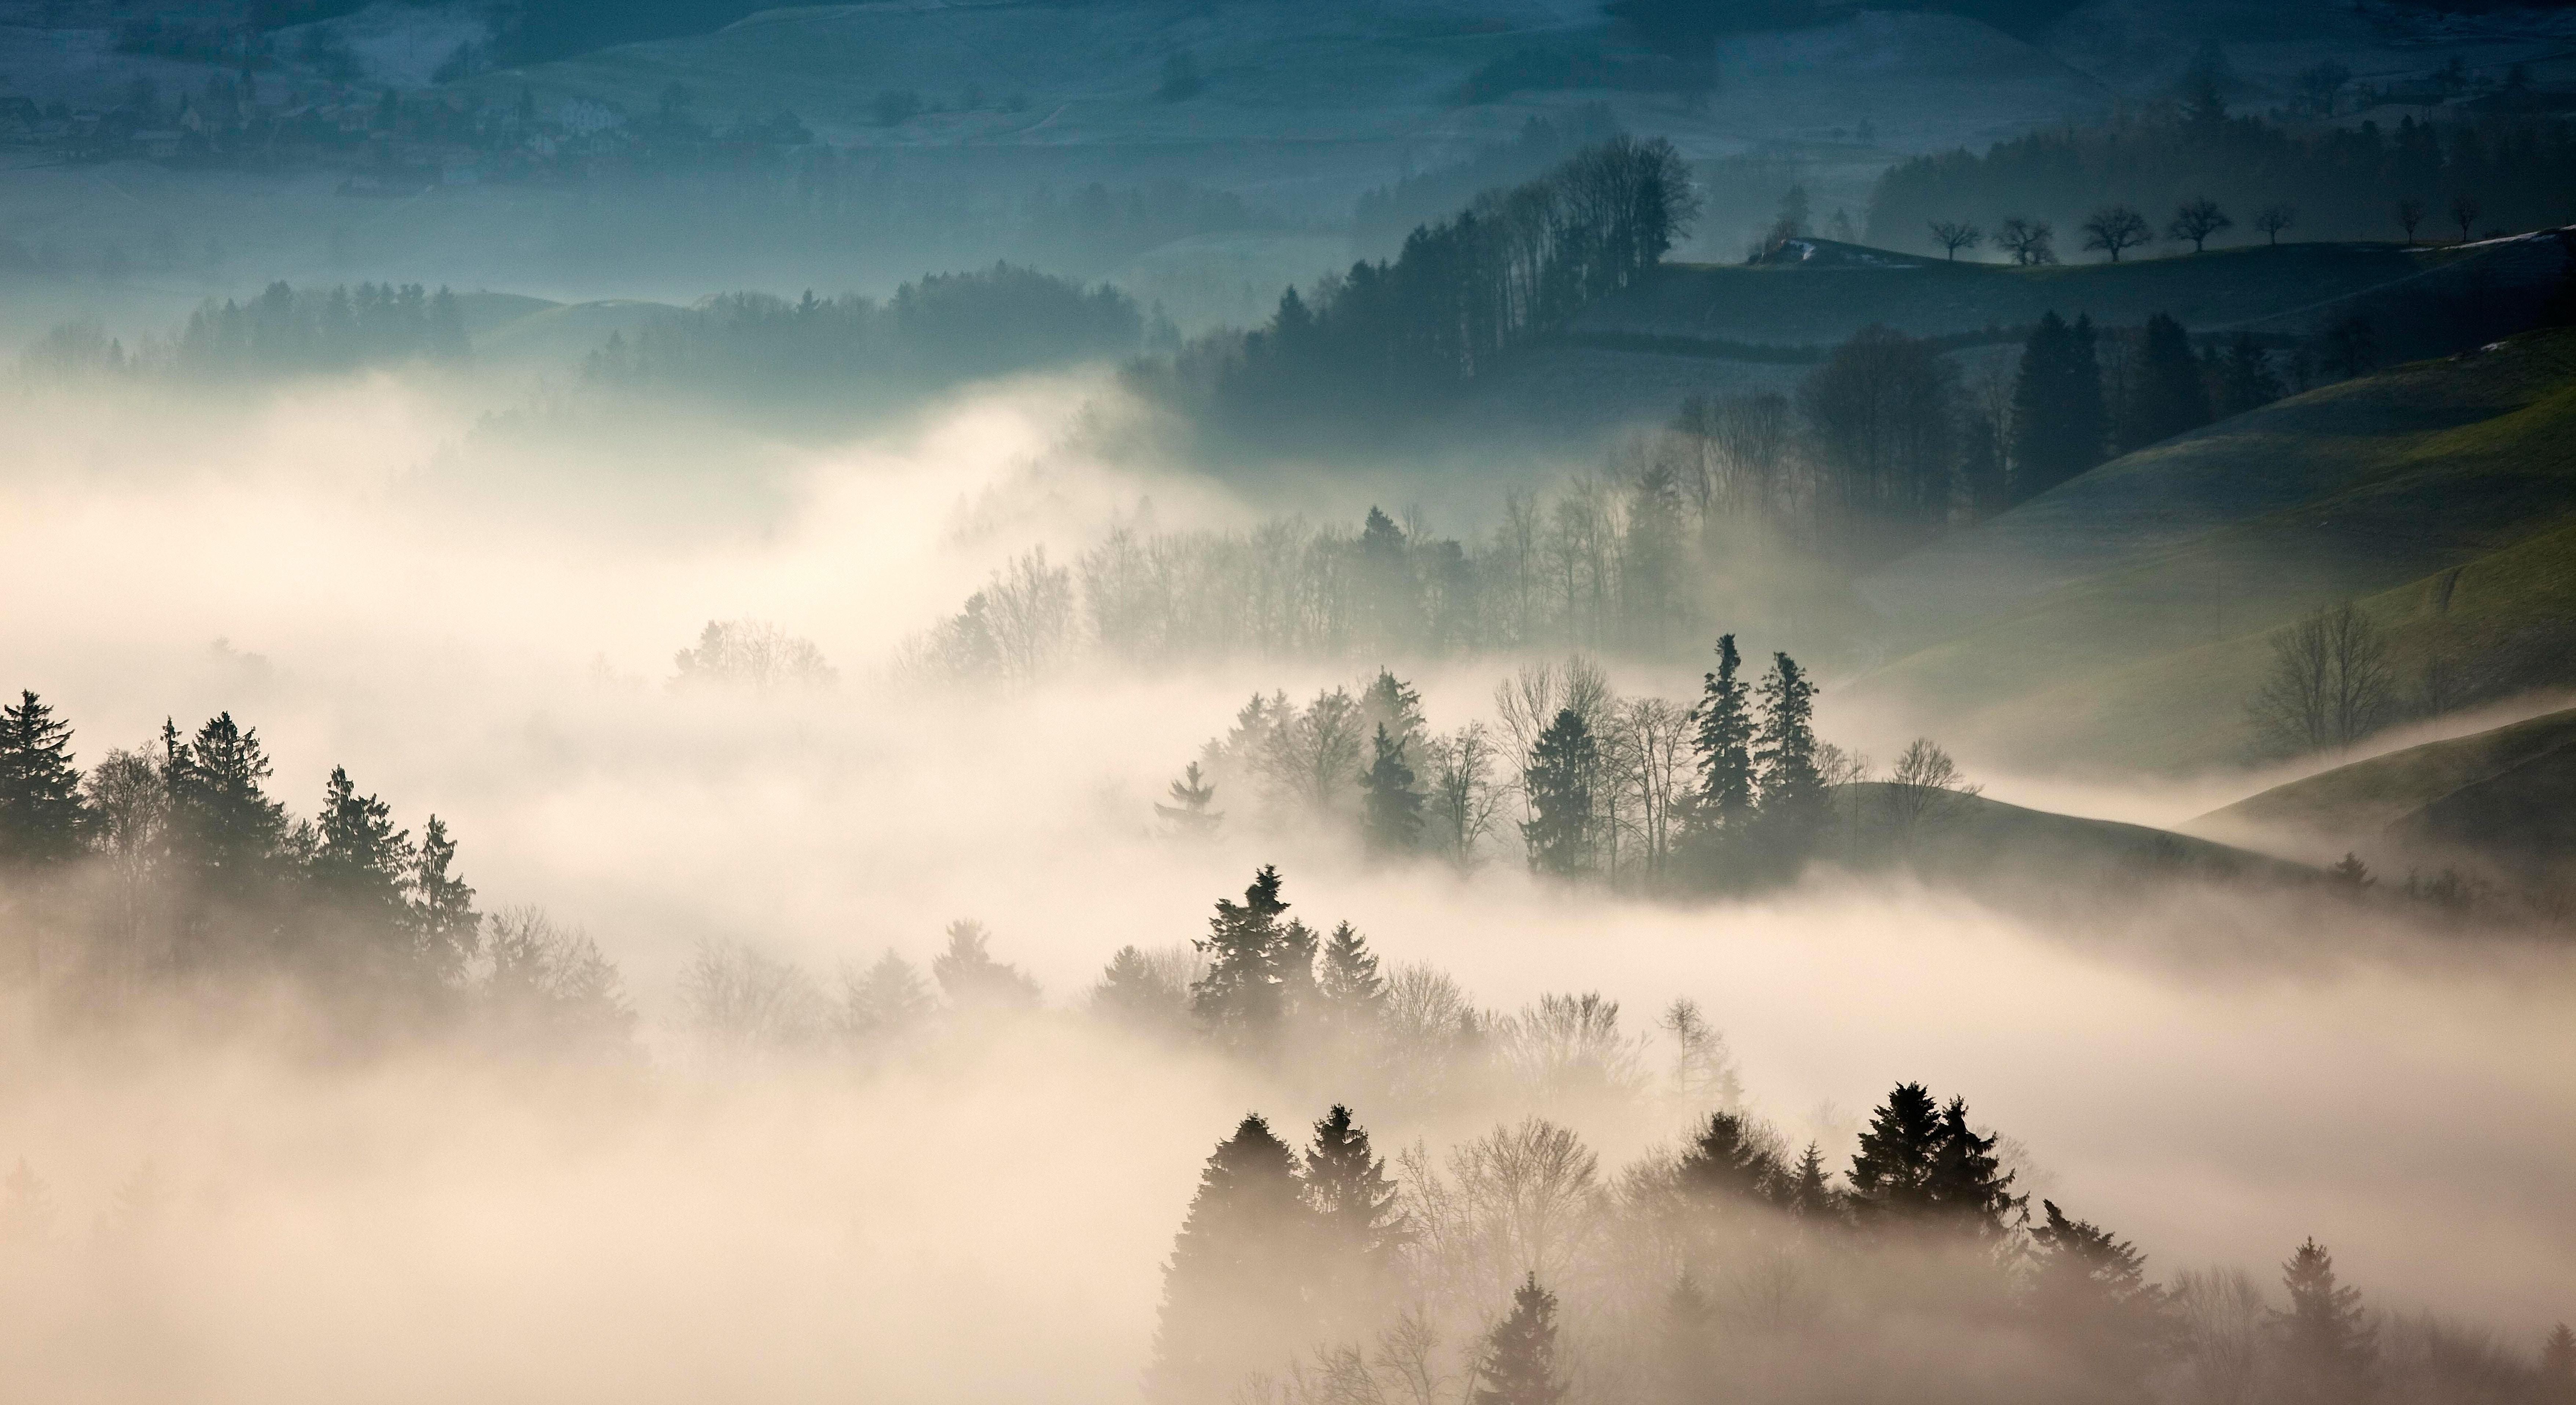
x=482, y=627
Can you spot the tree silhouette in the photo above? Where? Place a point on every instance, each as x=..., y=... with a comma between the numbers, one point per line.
x=1234, y=1290
x=2059, y=423
x=41, y=814
x=1357, y=1225
x=1347, y=978
x=2274, y=219
x=2326, y=1348
x=1726, y=1164
x=1721, y=802
x=2464, y=212
x=2410, y=213
x=1921, y=1162
x=361, y=864
x=2088, y=1291
x=444, y=921
x=970, y=977
x=2031, y=241
x=2168, y=395
x=1519, y=1364
x=2114, y=228
x=1559, y=781
x=1391, y=809
x=2197, y=220
x=1238, y=999
x=1191, y=813
x=1790, y=792
x=1954, y=235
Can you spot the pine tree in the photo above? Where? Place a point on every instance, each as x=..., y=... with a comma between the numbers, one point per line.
x=1892, y=1171
x=2058, y=421
x=1238, y=1000
x=362, y=862
x=1191, y=813
x=442, y=905
x=1559, y=781
x=1347, y=978
x=1810, y=1195
x=1721, y=802
x=41, y=815
x=970, y=977
x=1727, y=1165
x=2168, y=396
x=1684, y=1359
x=1138, y=992
x=2558, y=1366
x=1790, y=791
x=1358, y=1227
x=1969, y=1185
x=231, y=831
x=1235, y=1292
x=1391, y=807
x=1519, y=1364
x=2327, y=1349
x=886, y=1002
x=2088, y=1291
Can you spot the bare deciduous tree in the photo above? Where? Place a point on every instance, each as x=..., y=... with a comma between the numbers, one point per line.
x=753, y=654
x=2197, y=220
x=1925, y=783
x=2031, y=241
x=2330, y=684
x=1954, y=235
x=2464, y=212
x=1464, y=804
x=2274, y=219
x=2410, y=214
x=2114, y=228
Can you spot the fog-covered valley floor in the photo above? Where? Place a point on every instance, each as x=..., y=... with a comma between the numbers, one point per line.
x=483, y=630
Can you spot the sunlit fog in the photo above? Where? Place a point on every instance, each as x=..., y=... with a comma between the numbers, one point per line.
x=1465, y=703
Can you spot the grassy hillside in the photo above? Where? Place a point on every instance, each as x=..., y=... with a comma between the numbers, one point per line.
x=1972, y=839
x=2502, y=793
x=2122, y=620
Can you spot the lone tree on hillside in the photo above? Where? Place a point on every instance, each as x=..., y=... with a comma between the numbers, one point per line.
x=2330, y=684
x=1192, y=812
x=1954, y=235
x=2031, y=241
x=1233, y=1289
x=2326, y=1347
x=1925, y=785
x=2274, y=219
x=2196, y=220
x=2464, y=212
x=2114, y=228
x=2410, y=215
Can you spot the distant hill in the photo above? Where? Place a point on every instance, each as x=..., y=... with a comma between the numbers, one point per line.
x=1979, y=842
x=2121, y=620
x=2506, y=795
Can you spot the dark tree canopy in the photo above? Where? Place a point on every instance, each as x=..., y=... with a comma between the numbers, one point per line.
x=1519, y=1364
x=41, y=815
x=1560, y=784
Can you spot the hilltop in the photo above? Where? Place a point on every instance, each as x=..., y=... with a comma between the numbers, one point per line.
x=2123, y=619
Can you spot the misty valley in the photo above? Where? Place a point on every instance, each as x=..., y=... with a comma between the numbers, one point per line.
x=1398, y=702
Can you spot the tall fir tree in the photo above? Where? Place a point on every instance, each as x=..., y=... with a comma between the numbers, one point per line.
x=1685, y=1355
x=1238, y=999
x=1969, y=1186
x=1192, y=813
x=1726, y=1165
x=229, y=829
x=1235, y=1291
x=2558, y=1351
x=361, y=863
x=1519, y=1362
x=1721, y=801
x=41, y=815
x=2169, y=394
x=1391, y=807
x=1789, y=794
x=1811, y=1194
x=1358, y=1227
x=2088, y=1292
x=2059, y=424
x=1559, y=780
x=443, y=917
x=1922, y=1163
x=2327, y=1348
x=1347, y=978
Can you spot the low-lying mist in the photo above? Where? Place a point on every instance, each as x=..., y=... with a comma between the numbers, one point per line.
x=485, y=631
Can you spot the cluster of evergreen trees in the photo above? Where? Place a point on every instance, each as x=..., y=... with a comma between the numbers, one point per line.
x=2343, y=183
x=1385, y=339
x=171, y=868
x=821, y=352
x=1638, y=792
x=285, y=331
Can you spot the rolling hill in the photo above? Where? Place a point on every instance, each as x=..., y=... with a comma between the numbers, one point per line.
x=2123, y=619
x=2506, y=796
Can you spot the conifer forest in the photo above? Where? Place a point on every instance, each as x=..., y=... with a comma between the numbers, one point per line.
x=1389, y=702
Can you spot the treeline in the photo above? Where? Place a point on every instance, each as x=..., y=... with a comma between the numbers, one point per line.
x=1386, y=339
x=1384, y=215
x=170, y=869
x=2364, y=182
x=934, y=331
x=285, y=331
x=1726, y=794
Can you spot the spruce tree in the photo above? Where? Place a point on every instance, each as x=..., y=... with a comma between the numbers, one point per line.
x=1391, y=806
x=1969, y=1186
x=972, y=980
x=1891, y=1173
x=2169, y=395
x=41, y=815
x=1235, y=1295
x=362, y=863
x=1721, y=801
x=443, y=915
x=1238, y=999
x=229, y=828
x=1358, y=1227
x=2059, y=424
x=1685, y=1363
x=1726, y=1165
x=1519, y=1363
x=2558, y=1365
x=885, y=1002
x=1811, y=1195
x=2088, y=1292
x=1192, y=813
x=1347, y=978
x=1559, y=781
x=1790, y=791
x=2326, y=1348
